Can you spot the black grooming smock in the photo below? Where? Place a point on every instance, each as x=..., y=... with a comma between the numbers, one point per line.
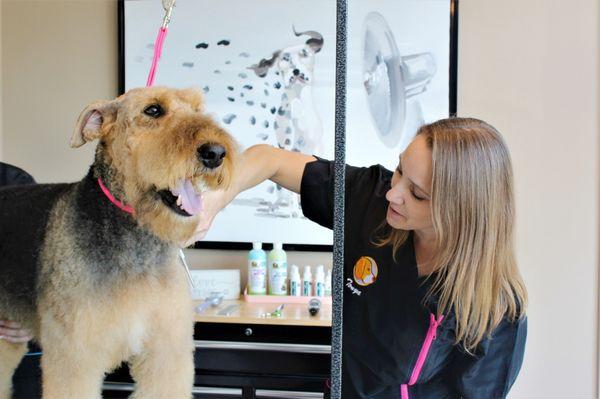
x=385, y=318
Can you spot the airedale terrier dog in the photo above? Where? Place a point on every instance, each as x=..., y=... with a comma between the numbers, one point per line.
x=92, y=268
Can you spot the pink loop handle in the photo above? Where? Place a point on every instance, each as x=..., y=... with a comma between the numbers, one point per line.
x=158, y=44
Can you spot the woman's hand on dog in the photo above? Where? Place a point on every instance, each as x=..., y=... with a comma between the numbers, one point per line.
x=212, y=203
x=12, y=332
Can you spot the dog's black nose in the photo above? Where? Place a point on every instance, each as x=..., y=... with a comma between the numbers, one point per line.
x=296, y=72
x=211, y=155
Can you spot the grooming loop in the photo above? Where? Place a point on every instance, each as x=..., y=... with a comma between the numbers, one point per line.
x=160, y=39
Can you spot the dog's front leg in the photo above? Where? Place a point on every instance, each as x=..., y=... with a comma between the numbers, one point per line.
x=10, y=357
x=71, y=371
x=165, y=368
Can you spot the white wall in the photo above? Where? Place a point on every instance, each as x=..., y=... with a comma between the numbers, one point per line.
x=530, y=67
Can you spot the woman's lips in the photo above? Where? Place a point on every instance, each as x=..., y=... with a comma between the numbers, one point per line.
x=395, y=212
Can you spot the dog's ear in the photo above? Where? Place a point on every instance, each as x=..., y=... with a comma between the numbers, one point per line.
x=263, y=66
x=93, y=121
x=316, y=39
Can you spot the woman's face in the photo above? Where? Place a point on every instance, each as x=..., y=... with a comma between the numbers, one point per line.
x=410, y=195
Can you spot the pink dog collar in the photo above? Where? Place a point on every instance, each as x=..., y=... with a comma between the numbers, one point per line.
x=112, y=199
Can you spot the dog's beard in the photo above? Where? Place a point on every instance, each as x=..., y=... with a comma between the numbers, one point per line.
x=165, y=221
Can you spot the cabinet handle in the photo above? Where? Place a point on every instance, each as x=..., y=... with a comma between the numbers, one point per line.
x=263, y=346
x=128, y=387
x=263, y=393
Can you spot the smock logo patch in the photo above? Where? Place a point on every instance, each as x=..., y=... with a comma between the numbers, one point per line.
x=365, y=271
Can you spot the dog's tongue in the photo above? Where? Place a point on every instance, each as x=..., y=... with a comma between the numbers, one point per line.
x=191, y=202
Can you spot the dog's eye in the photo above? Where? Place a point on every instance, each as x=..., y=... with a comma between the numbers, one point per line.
x=154, y=110
x=304, y=53
x=286, y=57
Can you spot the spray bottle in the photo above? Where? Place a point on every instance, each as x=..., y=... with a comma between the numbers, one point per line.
x=295, y=282
x=320, y=281
x=328, y=283
x=307, y=281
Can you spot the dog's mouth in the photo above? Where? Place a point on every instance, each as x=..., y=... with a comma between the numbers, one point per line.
x=184, y=200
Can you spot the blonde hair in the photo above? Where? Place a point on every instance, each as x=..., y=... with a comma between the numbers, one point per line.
x=473, y=212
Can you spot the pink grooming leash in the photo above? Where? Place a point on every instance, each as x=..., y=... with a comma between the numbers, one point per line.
x=162, y=32
x=160, y=39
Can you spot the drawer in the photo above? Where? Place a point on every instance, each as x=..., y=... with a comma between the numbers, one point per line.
x=122, y=390
x=262, y=333
x=267, y=359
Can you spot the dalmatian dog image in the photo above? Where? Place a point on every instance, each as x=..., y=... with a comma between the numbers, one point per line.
x=297, y=124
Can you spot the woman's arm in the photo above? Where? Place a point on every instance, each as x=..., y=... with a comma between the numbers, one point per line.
x=255, y=165
x=261, y=162
x=492, y=370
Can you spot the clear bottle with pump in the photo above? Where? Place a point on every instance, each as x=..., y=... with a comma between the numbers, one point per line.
x=278, y=274
x=320, y=281
x=295, y=282
x=257, y=270
x=307, y=282
x=328, y=283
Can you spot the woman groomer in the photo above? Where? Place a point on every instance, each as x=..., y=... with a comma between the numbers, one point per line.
x=434, y=305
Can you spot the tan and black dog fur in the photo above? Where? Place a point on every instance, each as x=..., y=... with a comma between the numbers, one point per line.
x=96, y=285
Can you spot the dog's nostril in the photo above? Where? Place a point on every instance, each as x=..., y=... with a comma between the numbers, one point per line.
x=211, y=155
x=296, y=72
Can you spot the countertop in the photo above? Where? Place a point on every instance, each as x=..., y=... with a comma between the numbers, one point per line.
x=250, y=313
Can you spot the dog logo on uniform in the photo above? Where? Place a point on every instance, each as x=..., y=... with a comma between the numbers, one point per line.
x=365, y=271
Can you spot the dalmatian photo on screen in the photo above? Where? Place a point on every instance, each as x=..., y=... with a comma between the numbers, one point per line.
x=267, y=70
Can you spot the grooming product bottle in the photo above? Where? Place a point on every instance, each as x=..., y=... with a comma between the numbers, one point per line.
x=307, y=281
x=328, y=283
x=277, y=270
x=257, y=270
x=320, y=281
x=295, y=282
